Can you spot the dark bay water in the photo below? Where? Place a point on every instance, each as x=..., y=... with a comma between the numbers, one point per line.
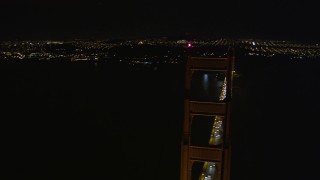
x=80, y=120
x=275, y=119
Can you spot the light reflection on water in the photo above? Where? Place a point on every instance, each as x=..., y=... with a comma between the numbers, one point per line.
x=207, y=86
x=206, y=83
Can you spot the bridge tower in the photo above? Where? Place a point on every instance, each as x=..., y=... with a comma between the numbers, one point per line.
x=206, y=146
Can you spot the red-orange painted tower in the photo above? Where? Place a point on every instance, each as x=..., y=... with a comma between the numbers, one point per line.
x=206, y=146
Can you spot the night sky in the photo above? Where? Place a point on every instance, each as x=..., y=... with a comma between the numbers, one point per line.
x=63, y=19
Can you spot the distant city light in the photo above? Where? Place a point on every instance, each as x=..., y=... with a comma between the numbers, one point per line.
x=77, y=50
